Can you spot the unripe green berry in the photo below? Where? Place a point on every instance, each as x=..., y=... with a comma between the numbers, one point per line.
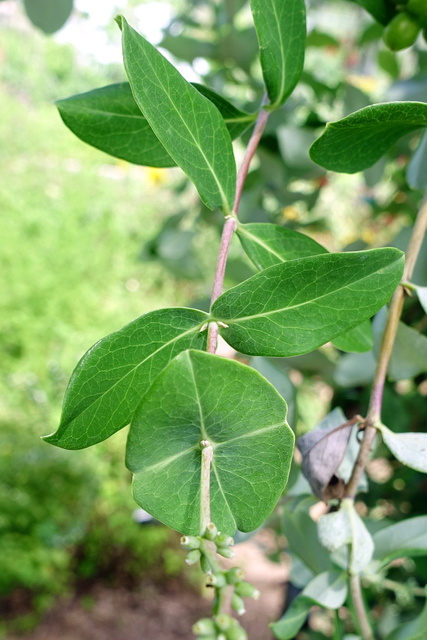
x=223, y=540
x=401, y=32
x=216, y=580
x=204, y=627
x=210, y=532
x=237, y=633
x=224, y=621
x=417, y=7
x=237, y=604
x=246, y=590
x=190, y=542
x=225, y=552
x=193, y=557
x=235, y=574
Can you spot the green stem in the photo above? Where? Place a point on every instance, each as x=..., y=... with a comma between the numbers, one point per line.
x=361, y=616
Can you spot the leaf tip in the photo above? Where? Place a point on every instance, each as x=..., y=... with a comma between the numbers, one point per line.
x=120, y=21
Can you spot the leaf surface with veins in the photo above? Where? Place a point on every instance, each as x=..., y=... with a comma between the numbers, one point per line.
x=197, y=397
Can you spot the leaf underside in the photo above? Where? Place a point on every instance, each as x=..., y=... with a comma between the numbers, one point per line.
x=295, y=307
x=204, y=397
x=109, y=381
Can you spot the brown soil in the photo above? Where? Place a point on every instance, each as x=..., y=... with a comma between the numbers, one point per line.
x=161, y=613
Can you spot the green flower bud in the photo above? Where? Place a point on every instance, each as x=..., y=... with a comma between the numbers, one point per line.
x=237, y=604
x=190, y=542
x=246, y=590
x=225, y=552
x=204, y=627
x=205, y=564
x=193, y=557
x=223, y=540
x=211, y=531
x=237, y=633
x=236, y=574
x=216, y=580
x=223, y=621
x=401, y=32
x=417, y=7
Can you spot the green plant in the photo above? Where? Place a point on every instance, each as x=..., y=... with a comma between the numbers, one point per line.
x=209, y=444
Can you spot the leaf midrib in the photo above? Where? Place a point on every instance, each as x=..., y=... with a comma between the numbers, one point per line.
x=302, y=304
x=248, y=234
x=282, y=56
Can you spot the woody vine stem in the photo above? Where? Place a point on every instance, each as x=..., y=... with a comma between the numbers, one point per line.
x=373, y=417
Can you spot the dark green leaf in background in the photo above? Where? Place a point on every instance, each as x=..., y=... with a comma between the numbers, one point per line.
x=413, y=630
x=269, y=244
x=281, y=31
x=381, y=10
x=416, y=173
x=204, y=397
x=109, y=381
x=359, y=140
x=48, y=15
x=188, y=125
x=288, y=626
x=406, y=538
x=301, y=533
x=295, y=307
x=359, y=339
x=110, y=120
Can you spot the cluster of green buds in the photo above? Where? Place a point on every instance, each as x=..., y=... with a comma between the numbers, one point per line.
x=202, y=549
x=402, y=31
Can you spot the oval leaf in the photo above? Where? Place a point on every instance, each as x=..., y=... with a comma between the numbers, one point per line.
x=328, y=589
x=281, y=31
x=204, y=397
x=288, y=626
x=295, y=307
x=110, y=120
x=48, y=15
x=408, y=448
x=108, y=382
x=406, y=538
x=188, y=125
x=345, y=527
x=270, y=244
x=359, y=140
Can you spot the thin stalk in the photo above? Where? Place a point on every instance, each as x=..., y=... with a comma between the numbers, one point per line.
x=230, y=223
x=359, y=608
x=205, y=485
x=375, y=404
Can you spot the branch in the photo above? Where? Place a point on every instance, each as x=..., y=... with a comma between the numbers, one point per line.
x=359, y=608
x=230, y=223
x=375, y=404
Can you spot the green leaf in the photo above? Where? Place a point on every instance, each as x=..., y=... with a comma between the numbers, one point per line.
x=301, y=533
x=281, y=382
x=414, y=630
x=345, y=527
x=359, y=140
x=422, y=296
x=379, y=9
x=204, y=397
x=109, y=381
x=288, y=626
x=355, y=369
x=281, y=31
x=270, y=244
x=358, y=340
x=328, y=589
x=48, y=15
x=409, y=448
x=416, y=171
x=409, y=355
x=295, y=307
x=188, y=125
x=110, y=120
x=406, y=538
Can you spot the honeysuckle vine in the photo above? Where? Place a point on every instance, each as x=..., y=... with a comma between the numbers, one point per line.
x=209, y=445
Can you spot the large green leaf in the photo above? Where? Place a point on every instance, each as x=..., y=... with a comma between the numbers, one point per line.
x=288, y=626
x=109, y=381
x=294, y=307
x=359, y=140
x=48, y=15
x=188, y=125
x=204, y=397
x=110, y=120
x=281, y=31
x=381, y=10
x=270, y=244
x=406, y=538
